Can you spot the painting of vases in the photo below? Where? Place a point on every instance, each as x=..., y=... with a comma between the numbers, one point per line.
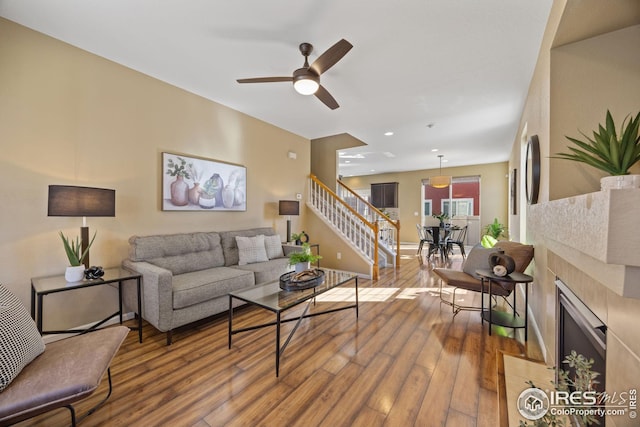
x=194, y=183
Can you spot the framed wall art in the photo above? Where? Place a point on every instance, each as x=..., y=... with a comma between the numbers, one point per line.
x=198, y=184
x=514, y=192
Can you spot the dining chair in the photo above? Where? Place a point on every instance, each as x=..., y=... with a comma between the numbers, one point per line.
x=423, y=237
x=457, y=237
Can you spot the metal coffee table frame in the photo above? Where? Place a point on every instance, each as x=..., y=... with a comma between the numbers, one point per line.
x=270, y=297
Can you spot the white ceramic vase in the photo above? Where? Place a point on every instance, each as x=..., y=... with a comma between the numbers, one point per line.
x=619, y=182
x=302, y=266
x=74, y=273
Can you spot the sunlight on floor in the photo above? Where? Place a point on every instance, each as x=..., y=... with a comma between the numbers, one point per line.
x=366, y=294
x=412, y=293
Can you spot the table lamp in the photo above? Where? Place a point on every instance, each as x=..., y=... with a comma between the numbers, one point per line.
x=288, y=208
x=70, y=200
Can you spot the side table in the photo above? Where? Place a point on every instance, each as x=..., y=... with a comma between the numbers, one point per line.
x=502, y=318
x=41, y=286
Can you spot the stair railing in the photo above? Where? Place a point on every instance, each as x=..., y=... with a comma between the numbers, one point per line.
x=389, y=230
x=361, y=232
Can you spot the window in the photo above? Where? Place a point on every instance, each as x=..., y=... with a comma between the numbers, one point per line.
x=460, y=199
x=427, y=208
x=460, y=207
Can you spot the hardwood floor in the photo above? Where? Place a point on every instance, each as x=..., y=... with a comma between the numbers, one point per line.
x=404, y=361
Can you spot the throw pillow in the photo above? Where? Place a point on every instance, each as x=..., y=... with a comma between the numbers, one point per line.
x=20, y=341
x=478, y=258
x=273, y=246
x=251, y=249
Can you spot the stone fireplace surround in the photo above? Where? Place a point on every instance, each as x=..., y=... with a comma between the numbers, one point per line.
x=592, y=243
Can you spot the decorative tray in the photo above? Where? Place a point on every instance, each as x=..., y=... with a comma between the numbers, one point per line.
x=306, y=279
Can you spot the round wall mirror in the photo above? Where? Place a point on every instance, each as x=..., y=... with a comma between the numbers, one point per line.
x=532, y=170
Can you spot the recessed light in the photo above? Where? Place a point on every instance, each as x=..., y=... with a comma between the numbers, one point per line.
x=389, y=154
x=372, y=170
x=434, y=150
x=388, y=133
x=347, y=161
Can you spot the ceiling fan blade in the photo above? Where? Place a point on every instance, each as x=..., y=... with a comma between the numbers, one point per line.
x=332, y=55
x=323, y=95
x=265, y=80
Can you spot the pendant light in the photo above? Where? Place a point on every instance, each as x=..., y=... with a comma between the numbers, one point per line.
x=440, y=181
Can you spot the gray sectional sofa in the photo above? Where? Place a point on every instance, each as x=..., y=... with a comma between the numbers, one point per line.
x=186, y=277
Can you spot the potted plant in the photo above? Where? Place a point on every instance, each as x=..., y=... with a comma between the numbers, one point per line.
x=300, y=238
x=441, y=217
x=580, y=378
x=303, y=259
x=611, y=152
x=492, y=232
x=73, y=249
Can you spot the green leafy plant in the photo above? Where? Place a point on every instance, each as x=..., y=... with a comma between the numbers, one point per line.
x=441, y=217
x=495, y=229
x=580, y=378
x=73, y=249
x=304, y=255
x=611, y=152
x=492, y=232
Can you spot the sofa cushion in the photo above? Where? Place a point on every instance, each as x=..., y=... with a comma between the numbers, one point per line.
x=267, y=271
x=478, y=258
x=251, y=249
x=230, y=247
x=20, y=341
x=203, y=285
x=179, y=253
x=273, y=245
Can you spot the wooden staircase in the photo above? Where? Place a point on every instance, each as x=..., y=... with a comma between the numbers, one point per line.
x=371, y=234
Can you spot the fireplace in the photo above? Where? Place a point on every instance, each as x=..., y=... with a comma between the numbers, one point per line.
x=580, y=330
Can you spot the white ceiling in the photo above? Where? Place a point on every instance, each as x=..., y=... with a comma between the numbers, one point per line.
x=463, y=66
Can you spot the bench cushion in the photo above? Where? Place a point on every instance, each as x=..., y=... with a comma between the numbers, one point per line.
x=67, y=371
x=198, y=286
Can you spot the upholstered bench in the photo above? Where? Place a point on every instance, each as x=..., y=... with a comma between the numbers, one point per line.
x=36, y=378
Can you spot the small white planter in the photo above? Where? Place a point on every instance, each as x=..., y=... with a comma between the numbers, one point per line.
x=302, y=266
x=74, y=274
x=619, y=182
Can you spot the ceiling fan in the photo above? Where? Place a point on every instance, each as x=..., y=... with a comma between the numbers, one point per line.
x=306, y=80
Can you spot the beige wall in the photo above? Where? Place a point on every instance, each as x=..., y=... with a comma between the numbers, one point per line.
x=494, y=196
x=70, y=117
x=605, y=68
x=324, y=156
x=571, y=89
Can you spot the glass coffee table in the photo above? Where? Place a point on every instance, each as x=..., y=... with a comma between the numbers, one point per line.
x=271, y=297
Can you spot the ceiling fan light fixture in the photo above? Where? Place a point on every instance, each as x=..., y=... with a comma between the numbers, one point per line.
x=305, y=82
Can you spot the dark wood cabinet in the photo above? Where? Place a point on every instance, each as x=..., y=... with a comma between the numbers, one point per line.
x=384, y=195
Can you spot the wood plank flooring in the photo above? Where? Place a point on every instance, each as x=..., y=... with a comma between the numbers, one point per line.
x=404, y=361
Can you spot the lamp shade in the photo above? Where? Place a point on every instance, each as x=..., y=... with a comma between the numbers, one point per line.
x=440, y=181
x=289, y=207
x=70, y=200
